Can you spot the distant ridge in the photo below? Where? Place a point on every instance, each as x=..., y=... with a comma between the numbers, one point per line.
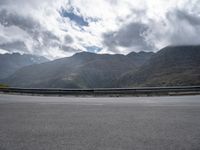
x=9, y=63
x=171, y=66
x=82, y=70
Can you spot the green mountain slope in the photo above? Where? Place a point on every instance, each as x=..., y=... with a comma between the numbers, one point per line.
x=9, y=63
x=83, y=70
x=171, y=66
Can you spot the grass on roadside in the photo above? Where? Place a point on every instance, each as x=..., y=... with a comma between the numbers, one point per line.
x=3, y=85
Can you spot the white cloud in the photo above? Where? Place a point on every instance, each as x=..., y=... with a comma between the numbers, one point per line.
x=2, y=51
x=43, y=29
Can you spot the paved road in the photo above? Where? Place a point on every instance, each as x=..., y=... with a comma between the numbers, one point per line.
x=136, y=123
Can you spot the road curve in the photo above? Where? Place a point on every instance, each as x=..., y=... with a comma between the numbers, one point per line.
x=102, y=123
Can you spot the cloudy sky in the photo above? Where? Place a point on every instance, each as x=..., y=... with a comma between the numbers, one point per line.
x=58, y=28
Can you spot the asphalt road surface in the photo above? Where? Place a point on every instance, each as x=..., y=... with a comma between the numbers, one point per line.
x=126, y=123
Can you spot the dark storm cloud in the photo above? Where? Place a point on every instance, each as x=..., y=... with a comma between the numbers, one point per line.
x=12, y=19
x=27, y=24
x=2, y=2
x=131, y=35
x=184, y=27
x=39, y=34
x=184, y=15
x=14, y=46
x=48, y=37
x=68, y=39
x=69, y=49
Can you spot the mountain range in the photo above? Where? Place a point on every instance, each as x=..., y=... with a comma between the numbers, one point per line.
x=171, y=66
x=9, y=63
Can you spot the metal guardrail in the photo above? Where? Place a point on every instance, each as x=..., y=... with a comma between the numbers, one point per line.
x=184, y=90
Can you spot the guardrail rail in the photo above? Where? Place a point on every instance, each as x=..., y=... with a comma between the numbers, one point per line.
x=147, y=91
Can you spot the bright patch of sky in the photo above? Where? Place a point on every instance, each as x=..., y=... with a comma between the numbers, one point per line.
x=74, y=17
x=93, y=49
